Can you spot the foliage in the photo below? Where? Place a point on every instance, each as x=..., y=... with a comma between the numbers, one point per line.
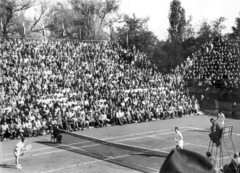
x=236, y=29
x=135, y=33
x=11, y=15
x=177, y=21
x=85, y=19
x=14, y=21
x=189, y=30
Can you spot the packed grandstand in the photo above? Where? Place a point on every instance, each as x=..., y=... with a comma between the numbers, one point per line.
x=216, y=64
x=75, y=85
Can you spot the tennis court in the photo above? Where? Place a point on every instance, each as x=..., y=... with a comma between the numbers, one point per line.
x=131, y=148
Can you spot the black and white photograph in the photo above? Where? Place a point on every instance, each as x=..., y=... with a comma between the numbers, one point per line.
x=120, y=86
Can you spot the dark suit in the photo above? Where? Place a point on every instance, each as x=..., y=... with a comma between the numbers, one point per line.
x=216, y=131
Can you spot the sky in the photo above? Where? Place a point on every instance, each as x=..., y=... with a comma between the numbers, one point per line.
x=158, y=11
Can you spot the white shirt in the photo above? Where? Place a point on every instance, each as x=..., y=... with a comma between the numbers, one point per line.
x=19, y=146
x=221, y=117
x=38, y=123
x=179, y=139
x=118, y=115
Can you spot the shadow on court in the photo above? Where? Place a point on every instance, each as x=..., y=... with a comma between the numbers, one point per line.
x=140, y=161
x=7, y=166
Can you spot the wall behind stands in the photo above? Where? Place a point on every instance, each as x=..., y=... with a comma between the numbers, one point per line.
x=216, y=99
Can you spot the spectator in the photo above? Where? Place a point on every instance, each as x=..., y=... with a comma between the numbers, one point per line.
x=234, y=108
x=116, y=86
x=12, y=130
x=4, y=130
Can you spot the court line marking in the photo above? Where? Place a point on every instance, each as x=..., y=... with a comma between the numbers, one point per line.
x=205, y=146
x=85, y=147
x=111, y=158
x=95, y=144
x=237, y=134
x=135, y=134
x=155, y=137
x=95, y=161
x=174, y=146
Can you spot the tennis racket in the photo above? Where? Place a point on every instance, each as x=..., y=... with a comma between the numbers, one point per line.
x=28, y=147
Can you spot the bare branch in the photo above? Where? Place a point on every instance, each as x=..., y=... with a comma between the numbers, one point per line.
x=24, y=6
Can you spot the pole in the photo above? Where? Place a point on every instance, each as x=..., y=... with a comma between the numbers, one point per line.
x=79, y=32
x=127, y=39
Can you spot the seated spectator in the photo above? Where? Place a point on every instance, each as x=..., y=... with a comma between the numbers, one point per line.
x=119, y=116
x=28, y=128
x=103, y=118
x=234, y=164
x=19, y=130
x=4, y=130
x=12, y=130
x=49, y=125
x=35, y=130
x=39, y=126
x=97, y=121
x=45, y=128
x=128, y=117
x=81, y=119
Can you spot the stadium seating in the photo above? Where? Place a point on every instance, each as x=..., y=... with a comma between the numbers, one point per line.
x=216, y=64
x=73, y=85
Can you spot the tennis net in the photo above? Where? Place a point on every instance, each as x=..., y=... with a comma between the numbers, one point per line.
x=134, y=157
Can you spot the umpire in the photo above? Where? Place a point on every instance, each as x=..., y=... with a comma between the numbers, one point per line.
x=216, y=132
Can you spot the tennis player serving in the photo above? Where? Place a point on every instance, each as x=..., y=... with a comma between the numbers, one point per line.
x=17, y=151
x=178, y=139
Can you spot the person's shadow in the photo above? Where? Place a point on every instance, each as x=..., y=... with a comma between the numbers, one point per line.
x=7, y=166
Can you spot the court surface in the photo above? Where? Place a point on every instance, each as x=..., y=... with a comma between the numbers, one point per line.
x=46, y=157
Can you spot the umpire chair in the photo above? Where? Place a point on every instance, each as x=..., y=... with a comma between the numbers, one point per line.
x=215, y=149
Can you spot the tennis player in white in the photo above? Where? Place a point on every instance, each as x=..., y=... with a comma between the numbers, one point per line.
x=178, y=139
x=17, y=151
x=221, y=117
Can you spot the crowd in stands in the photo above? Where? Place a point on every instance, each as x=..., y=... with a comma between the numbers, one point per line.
x=74, y=85
x=216, y=63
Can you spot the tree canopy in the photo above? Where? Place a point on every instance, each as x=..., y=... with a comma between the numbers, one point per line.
x=100, y=20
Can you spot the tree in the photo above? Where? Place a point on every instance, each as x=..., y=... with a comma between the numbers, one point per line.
x=91, y=15
x=10, y=13
x=236, y=29
x=42, y=11
x=135, y=33
x=177, y=21
x=61, y=21
x=209, y=30
x=189, y=31
x=167, y=55
x=218, y=26
x=170, y=53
